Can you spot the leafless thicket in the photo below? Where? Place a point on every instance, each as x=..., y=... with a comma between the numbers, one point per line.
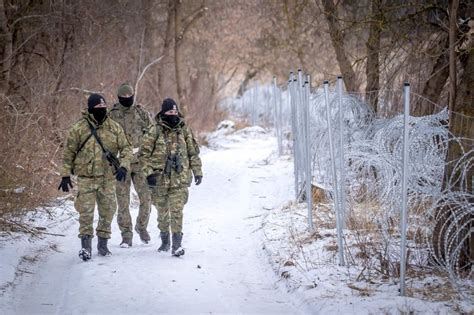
x=53, y=53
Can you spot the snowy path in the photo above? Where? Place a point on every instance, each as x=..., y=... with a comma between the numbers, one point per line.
x=224, y=269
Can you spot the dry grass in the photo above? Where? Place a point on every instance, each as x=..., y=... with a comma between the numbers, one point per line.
x=434, y=291
x=241, y=124
x=318, y=194
x=27, y=162
x=360, y=291
x=331, y=247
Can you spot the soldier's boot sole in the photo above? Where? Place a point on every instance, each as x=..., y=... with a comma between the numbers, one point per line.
x=84, y=254
x=164, y=248
x=178, y=252
x=126, y=244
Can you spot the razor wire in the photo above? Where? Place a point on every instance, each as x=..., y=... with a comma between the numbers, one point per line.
x=367, y=155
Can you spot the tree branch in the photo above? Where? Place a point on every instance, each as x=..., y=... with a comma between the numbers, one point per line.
x=196, y=15
x=143, y=73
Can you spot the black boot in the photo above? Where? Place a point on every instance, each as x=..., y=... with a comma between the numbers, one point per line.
x=102, y=247
x=126, y=242
x=144, y=236
x=86, y=247
x=176, y=249
x=165, y=242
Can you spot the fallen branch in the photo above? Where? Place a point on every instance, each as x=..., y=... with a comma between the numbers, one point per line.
x=20, y=226
x=26, y=229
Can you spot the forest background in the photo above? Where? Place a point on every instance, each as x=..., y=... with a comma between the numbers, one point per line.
x=53, y=53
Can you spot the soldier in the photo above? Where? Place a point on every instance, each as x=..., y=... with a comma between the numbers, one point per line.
x=91, y=154
x=135, y=121
x=168, y=154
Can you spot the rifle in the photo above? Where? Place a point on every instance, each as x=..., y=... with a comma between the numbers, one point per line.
x=106, y=154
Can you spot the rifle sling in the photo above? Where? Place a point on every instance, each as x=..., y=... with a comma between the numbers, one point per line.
x=94, y=133
x=83, y=144
x=104, y=150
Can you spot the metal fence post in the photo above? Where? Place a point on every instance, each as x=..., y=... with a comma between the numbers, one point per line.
x=334, y=176
x=406, y=113
x=277, y=111
x=300, y=131
x=309, y=176
x=341, y=153
x=292, y=100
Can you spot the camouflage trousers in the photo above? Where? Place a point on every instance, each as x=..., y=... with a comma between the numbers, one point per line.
x=124, y=219
x=170, y=203
x=92, y=190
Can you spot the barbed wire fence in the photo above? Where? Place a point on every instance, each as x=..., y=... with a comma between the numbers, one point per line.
x=385, y=173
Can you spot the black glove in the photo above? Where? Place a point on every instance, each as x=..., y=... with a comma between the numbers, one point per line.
x=121, y=174
x=197, y=179
x=65, y=183
x=151, y=180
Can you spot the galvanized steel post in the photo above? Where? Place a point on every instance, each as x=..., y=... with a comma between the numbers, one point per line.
x=309, y=176
x=334, y=176
x=342, y=182
x=403, y=223
x=292, y=100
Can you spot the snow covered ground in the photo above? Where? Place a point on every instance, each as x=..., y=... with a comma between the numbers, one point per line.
x=247, y=252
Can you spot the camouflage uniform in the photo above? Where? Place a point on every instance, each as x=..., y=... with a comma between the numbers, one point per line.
x=135, y=121
x=95, y=178
x=171, y=192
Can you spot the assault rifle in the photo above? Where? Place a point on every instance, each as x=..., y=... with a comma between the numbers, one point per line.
x=106, y=154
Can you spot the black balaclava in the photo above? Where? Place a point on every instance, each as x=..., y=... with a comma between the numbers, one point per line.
x=123, y=90
x=126, y=101
x=98, y=113
x=170, y=120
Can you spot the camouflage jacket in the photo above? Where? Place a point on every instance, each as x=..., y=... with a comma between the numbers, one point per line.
x=162, y=142
x=135, y=121
x=83, y=154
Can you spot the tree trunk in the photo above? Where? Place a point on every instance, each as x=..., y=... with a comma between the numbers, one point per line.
x=348, y=74
x=181, y=26
x=461, y=121
x=465, y=127
x=435, y=84
x=178, y=37
x=452, y=52
x=166, y=47
x=6, y=50
x=249, y=75
x=445, y=65
x=373, y=51
x=461, y=125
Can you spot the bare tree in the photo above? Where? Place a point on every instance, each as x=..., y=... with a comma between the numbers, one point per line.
x=337, y=37
x=373, y=53
x=6, y=47
x=181, y=27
